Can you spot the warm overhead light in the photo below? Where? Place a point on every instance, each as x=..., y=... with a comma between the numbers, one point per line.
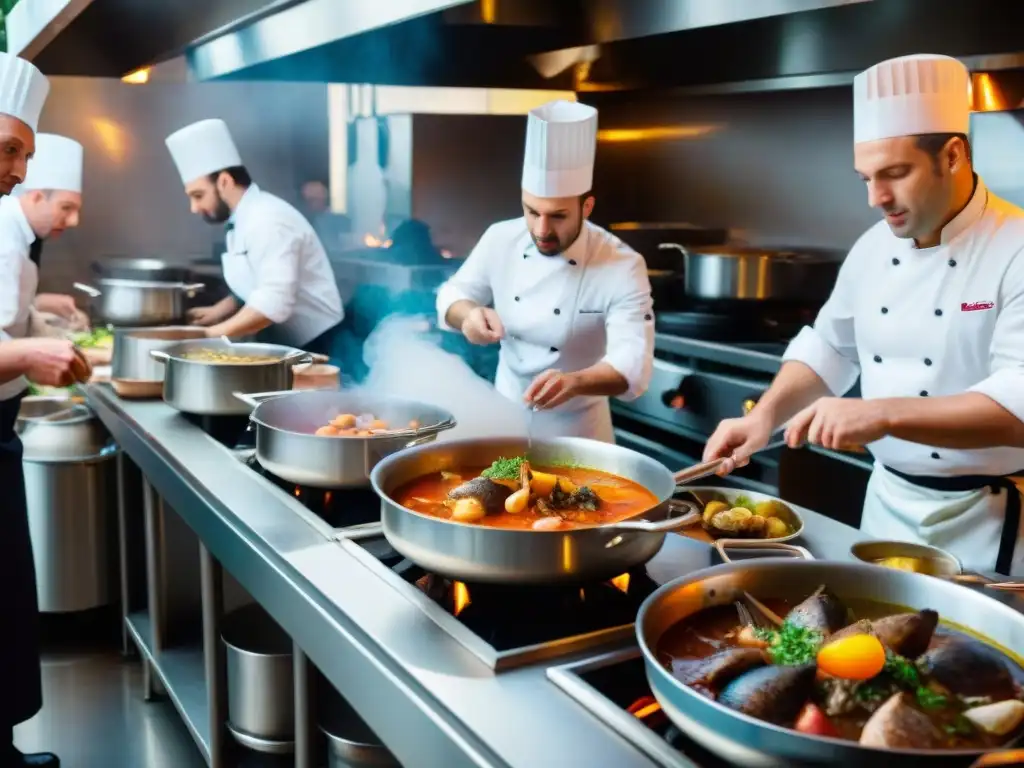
x=138, y=77
x=655, y=133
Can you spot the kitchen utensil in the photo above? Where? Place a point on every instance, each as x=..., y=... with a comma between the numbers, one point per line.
x=131, y=360
x=747, y=741
x=936, y=562
x=139, y=302
x=744, y=273
x=707, y=468
x=477, y=553
x=703, y=495
x=146, y=270
x=646, y=237
x=287, y=446
x=208, y=388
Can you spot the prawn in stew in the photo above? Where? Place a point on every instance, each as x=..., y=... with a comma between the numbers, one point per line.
x=512, y=494
x=866, y=673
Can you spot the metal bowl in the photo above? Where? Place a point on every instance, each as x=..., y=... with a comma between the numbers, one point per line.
x=705, y=494
x=747, y=741
x=942, y=562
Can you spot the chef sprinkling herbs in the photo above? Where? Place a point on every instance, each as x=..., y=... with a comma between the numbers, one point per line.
x=928, y=311
x=568, y=302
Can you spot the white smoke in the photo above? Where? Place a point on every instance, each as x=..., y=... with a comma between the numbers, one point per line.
x=405, y=363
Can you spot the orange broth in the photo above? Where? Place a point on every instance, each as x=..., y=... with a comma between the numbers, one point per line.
x=620, y=498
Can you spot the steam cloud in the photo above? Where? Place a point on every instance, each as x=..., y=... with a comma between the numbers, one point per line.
x=404, y=363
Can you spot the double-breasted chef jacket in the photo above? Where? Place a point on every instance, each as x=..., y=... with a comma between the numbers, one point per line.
x=275, y=263
x=590, y=304
x=928, y=322
x=19, y=280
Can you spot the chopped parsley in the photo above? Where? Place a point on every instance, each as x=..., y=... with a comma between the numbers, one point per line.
x=791, y=645
x=961, y=726
x=906, y=675
x=504, y=469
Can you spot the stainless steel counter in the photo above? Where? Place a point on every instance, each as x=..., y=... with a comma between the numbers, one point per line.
x=428, y=698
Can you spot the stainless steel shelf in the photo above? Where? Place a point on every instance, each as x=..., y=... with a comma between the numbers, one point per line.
x=180, y=671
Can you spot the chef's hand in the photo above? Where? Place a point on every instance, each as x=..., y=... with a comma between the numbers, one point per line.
x=483, y=326
x=204, y=315
x=53, y=362
x=839, y=423
x=735, y=440
x=551, y=388
x=58, y=304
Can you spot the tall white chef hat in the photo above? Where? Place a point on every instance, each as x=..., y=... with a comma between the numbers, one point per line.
x=203, y=148
x=57, y=164
x=23, y=89
x=561, y=140
x=909, y=96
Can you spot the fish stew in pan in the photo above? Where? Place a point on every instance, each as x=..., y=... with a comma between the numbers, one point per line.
x=512, y=494
x=867, y=672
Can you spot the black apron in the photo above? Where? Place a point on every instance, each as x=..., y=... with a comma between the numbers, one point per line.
x=996, y=483
x=35, y=251
x=22, y=693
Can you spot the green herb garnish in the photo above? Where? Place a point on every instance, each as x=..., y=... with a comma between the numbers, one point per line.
x=906, y=675
x=961, y=726
x=504, y=469
x=791, y=645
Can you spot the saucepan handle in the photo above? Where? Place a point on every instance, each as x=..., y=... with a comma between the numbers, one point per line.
x=253, y=399
x=721, y=545
x=1002, y=757
x=191, y=288
x=690, y=516
x=93, y=292
x=159, y=355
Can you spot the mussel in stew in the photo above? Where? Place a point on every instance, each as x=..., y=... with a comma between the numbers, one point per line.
x=861, y=671
x=511, y=493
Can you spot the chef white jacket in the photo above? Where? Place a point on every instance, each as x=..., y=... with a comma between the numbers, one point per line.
x=19, y=280
x=277, y=265
x=590, y=304
x=927, y=322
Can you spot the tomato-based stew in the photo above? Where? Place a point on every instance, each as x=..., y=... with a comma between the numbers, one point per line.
x=512, y=494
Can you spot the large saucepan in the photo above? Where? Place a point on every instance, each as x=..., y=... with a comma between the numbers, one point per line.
x=134, y=372
x=209, y=388
x=477, y=553
x=747, y=741
x=139, y=302
x=287, y=446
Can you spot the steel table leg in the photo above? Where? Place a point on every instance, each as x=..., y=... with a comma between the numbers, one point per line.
x=305, y=709
x=122, y=551
x=213, y=654
x=153, y=512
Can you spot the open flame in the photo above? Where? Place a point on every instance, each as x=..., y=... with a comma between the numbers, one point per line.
x=460, y=597
x=644, y=707
x=298, y=492
x=621, y=582
x=370, y=241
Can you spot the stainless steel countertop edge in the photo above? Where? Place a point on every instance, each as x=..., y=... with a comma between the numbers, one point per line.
x=427, y=698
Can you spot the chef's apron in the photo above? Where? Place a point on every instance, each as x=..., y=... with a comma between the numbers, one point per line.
x=21, y=695
x=974, y=517
x=582, y=417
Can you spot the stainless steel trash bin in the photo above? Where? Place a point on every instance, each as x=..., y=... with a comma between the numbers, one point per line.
x=70, y=489
x=261, y=697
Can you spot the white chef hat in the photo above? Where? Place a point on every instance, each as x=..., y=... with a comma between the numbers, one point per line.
x=909, y=96
x=203, y=148
x=561, y=140
x=23, y=89
x=57, y=164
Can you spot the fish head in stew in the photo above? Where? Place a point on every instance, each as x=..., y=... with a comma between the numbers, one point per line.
x=511, y=493
x=860, y=671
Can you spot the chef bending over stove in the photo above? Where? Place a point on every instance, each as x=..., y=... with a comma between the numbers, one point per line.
x=928, y=310
x=283, y=287
x=569, y=303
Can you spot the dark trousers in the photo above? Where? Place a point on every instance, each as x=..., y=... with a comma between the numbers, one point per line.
x=21, y=692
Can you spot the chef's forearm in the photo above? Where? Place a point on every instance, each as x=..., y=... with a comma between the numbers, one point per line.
x=795, y=387
x=245, y=322
x=13, y=358
x=225, y=307
x=967, y=421
x=600, y=380
x=457, y=312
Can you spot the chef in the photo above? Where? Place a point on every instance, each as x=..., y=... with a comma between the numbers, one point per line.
x=23, y=91
x=928, y=310
x=283, y=288
x=568, y=302
x=49, y=201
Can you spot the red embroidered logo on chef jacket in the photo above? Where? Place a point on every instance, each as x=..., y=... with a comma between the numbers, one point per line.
x=975, y=306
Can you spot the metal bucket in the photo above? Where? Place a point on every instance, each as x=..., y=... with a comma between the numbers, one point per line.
x=350, y=742
x=261, y=700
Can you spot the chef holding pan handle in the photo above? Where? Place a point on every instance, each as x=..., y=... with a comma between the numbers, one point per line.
x=569, y=303
x=928, y=310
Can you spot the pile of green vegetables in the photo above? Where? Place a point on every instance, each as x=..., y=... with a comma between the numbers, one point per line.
x=96, y=338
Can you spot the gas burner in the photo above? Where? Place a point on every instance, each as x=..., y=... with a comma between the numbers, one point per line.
x=509, y=617
x=614, y=688
x=337, y=508
x=232, y=431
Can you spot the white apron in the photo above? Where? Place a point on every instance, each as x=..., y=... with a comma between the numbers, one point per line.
x=969, y=524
